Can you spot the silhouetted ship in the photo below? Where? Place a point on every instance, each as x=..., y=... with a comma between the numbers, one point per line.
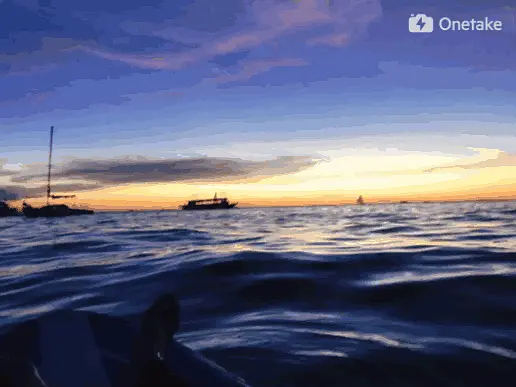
x=360, y=200
x=6, y=210
x=209, y=204
x=52, y=210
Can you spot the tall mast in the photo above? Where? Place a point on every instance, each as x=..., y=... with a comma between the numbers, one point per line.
x=50, y=163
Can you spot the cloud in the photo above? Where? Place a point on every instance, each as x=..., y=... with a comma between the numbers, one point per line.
x=493, y=158
x=251, y=68
x=61, y=46
x=142, y=170
x=88, y=174
x=8, y=193
x=502, y=159
x=336, y=40
x=14, y=192
x=5, y=169
x=56, y=45
x=50, y=51
x=3, y=172
x=264, y=22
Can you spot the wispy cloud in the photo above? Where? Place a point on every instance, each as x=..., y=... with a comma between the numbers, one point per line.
x=336, y=40
x=14, y=192
x=9, y=193
x=32, y=97
x=265, y=21
x=502, y=159
x=5, y=172
x=6, y=169
x=251, y=68
x=51, y=51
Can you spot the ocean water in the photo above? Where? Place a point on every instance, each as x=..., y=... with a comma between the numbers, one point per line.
x=380, y=295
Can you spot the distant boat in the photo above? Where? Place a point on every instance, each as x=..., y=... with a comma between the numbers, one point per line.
x=52, y=210
x=6, y=210
x=404, y=202
x=208, y=204
x=360, y=200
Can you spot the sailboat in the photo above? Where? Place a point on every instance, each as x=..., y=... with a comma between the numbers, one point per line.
x=360, y=200
x=52, y=210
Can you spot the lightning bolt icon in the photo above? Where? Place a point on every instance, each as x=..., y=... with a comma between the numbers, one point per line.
x=421, y=23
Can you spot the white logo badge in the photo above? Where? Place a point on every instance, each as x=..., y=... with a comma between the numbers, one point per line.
x=421, y=23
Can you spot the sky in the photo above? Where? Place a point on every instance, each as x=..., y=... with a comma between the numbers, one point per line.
x=270, y=102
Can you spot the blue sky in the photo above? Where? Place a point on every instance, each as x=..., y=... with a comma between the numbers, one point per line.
x=250, y=79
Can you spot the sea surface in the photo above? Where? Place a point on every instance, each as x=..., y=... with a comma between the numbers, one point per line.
x=375, y=295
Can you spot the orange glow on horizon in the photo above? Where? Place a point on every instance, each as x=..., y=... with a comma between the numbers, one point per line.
x=339, y=181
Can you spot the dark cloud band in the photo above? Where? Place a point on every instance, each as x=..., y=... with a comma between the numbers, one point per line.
x=103, y=173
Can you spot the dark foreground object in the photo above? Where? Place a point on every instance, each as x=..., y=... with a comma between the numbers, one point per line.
x=82, y=349
x=212, y=206
x=6, y=210
x=53, y=211
x=209, y=204
x=156, y=374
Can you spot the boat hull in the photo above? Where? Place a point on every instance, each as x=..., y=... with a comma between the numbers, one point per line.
x=53, y=212
x=96, y=351
x=6, y=210
x=9, y=212
x=200, y=207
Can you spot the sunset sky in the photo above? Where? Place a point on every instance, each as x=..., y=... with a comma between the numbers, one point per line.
x=272, y=102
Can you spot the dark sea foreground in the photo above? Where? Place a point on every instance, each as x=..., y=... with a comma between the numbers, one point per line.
x=391, y=295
